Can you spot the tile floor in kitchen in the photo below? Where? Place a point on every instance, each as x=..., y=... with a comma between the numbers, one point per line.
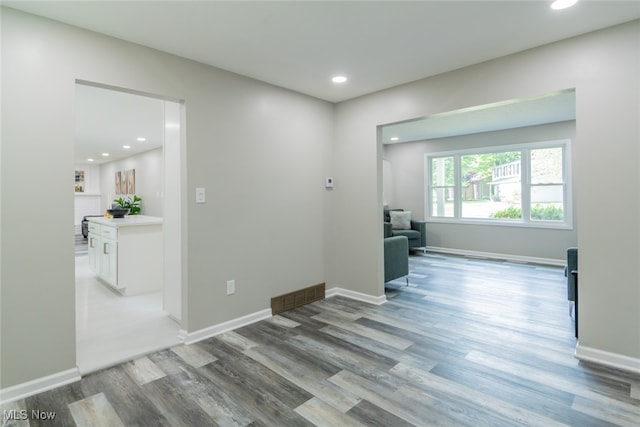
x=112, y=328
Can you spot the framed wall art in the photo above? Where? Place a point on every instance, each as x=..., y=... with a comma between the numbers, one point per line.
x=131, y=181
x=118, y=182
x=79, y=182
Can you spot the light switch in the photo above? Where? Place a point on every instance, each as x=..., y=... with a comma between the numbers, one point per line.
x=200, y=198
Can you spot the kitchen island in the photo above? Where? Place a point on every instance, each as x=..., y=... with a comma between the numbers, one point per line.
x=126, y=253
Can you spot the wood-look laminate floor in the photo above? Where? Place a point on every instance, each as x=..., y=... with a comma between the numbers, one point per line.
x=468, y=342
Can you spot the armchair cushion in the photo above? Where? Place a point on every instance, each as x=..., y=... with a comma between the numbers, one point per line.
x=400, y=220
x=412, y=236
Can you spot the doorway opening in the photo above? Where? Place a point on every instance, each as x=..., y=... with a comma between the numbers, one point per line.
x=121, y=132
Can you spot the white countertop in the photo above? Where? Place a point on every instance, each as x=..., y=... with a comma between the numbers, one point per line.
x=127, y=220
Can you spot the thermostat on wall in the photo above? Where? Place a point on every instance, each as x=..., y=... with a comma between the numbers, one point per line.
x=328, y=182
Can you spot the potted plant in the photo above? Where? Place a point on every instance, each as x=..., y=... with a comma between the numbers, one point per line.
x=132, y=204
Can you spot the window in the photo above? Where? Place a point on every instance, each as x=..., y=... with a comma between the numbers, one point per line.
x=443, y=188
x=547, y=185
x=490, y=183
x=524, y=184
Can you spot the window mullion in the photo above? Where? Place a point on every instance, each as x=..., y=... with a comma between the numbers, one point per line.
x=428, y=186
x=525, y=182
x=457, y=182
x=566, y=185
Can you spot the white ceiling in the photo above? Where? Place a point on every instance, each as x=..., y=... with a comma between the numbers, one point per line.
x=107, y=120
x=300, y=45
x=548, y=108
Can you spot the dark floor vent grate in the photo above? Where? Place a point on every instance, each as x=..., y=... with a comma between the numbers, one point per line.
x=297, y=298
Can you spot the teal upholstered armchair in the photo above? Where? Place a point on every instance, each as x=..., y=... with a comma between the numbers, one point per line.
x=415, y=231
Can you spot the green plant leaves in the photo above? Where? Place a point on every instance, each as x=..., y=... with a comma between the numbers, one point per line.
x=133, y=204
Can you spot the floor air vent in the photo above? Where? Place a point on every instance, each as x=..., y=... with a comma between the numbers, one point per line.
x=297, y=298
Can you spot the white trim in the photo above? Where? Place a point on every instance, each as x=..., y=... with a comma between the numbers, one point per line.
x=182, y=335
x=212, y=331
x=548, y=225
x=356, y=295
x=39, y=385
x=505, y=257
x=606, y=358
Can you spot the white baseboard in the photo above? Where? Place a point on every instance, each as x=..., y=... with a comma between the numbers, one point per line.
x=355, y=295
x=212, y=331
x=505, y=257
x=606, y=358
x=39, y=385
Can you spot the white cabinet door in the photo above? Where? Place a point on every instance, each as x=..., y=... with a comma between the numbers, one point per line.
x=109, y=261
x=109, y=255
x=94, y=245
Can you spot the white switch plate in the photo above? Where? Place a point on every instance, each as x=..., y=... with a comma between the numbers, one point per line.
x=200, y=195
x=231, y=287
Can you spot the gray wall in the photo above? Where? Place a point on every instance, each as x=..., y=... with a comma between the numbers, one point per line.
x=260, y=151
x=603, y=67
x=408, y=192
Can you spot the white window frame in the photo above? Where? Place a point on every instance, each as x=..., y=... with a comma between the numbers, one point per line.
x=525, y=221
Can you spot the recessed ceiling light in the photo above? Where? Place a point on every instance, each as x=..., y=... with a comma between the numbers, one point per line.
x=141, y=139
x=105, y=154
x=126, y=147
x=339, y=79
x=394, y=138
x=89, y=160
x=563, y=4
